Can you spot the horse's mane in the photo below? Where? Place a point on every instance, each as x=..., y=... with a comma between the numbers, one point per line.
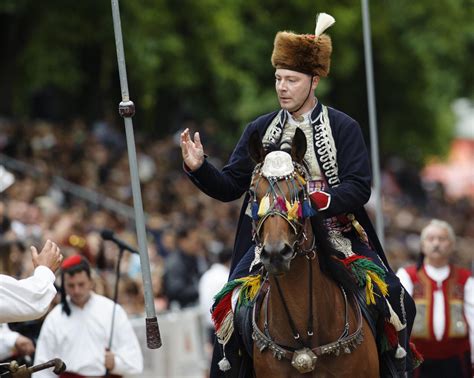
x=329, y=257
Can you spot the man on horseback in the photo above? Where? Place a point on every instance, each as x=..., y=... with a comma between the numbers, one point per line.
x=336, y=158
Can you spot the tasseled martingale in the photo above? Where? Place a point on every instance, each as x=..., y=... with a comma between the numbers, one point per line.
x=222, y=314
x=367, y=273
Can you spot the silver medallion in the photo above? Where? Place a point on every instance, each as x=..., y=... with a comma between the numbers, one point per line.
x=304, y=360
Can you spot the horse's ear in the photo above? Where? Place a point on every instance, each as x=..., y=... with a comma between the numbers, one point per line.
x=255, y=146
x=299, y=145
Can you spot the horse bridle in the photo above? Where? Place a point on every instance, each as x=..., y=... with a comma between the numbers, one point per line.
x=304, y=359
x=297, y=224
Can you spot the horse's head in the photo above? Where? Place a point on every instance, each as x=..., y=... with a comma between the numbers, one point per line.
x=279, y=202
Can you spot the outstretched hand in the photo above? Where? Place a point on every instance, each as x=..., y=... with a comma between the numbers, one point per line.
x=50, y=256
x=192, y=151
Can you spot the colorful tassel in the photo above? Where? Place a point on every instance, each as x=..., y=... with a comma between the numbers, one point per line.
x=367, y=273
x=417, y=357
x=394, y=319
x=255, y=211
x=308, y=210
x=221, y=310
x=226, y=329
x=222, y=314
x=369, y=291
x=383, y=287
x=264, y=205
x=301, y=180
x=249, y=289
x=293, y=210
x=400, y=352
x=281, y=204
x=300, y=210
x=391, y=333
x=224, y=364
x=384, y=346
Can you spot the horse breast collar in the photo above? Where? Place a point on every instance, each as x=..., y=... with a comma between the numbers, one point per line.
x=304, y=359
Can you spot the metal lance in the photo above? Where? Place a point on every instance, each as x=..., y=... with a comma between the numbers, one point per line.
x=127, y=110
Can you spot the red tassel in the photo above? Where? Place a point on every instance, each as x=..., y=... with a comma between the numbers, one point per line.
x=347, y=261
x=221, y=310
x=281, y=203
x=416, y=355
x=391, y=333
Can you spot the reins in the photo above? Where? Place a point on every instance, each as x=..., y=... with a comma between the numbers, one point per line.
x=303, y=359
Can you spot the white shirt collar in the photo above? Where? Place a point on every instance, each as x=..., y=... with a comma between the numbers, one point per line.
x=437, y=274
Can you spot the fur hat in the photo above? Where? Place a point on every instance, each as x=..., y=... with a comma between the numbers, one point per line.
x=306, y=53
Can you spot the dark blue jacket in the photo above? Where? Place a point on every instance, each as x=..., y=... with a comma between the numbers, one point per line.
x=348, y=197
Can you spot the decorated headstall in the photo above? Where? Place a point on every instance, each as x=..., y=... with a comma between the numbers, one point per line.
x=280, y=171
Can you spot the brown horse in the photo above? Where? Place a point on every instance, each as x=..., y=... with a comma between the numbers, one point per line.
x=304, y=322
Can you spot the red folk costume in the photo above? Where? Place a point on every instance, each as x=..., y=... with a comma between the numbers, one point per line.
x=454, y=342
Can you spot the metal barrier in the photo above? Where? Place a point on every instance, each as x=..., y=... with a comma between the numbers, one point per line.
x=182, y=354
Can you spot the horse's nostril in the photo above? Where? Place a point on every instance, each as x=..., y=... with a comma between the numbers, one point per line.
x=276, y=252
x=287, y=252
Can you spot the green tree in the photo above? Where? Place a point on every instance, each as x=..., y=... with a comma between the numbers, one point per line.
x=211, y=59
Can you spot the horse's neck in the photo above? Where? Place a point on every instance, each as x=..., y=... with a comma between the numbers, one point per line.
x=327, y=303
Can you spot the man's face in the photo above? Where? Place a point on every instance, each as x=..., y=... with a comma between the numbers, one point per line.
x=293, y=88
x=78, y=287
x=437, y=246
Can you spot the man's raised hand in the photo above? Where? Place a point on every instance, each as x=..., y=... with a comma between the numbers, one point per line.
x=192, y=151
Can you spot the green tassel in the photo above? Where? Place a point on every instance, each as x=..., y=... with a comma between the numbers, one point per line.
x=229, y=286
x=384, y=345
x=361, y=266
x=250, y=286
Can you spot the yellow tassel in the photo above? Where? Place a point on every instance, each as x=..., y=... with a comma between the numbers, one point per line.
x=301, y=179
x=264, y=206
x=253, y=284
x=379, y=282
x=369, y=291
x=292, y=210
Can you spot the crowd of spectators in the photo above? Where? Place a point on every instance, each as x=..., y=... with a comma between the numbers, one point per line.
x=94, y=156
